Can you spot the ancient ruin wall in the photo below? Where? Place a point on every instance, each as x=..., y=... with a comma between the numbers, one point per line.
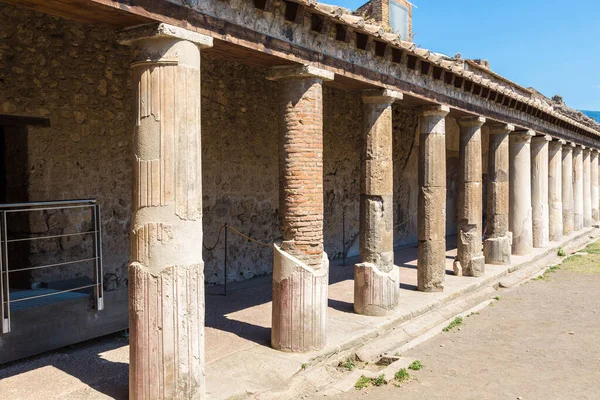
x=77, y=76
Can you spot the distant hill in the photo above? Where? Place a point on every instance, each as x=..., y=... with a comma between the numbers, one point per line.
x=592, y=114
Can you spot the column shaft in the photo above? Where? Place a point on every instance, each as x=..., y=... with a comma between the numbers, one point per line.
x=567, y=189
x=520, y=222
x=578, y=187
x=555, y=180
x=595, y=188
x=539, y=190
x=300, y=266
x=497, y=245
x=376, y=283
x=431, y=266
x=166, y=280
x=470, y=201
x=587, y=189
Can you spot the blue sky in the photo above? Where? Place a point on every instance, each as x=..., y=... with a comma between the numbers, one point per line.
x=551, y=45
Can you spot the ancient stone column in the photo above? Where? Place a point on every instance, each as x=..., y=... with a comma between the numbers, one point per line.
x=166, y=274
x=578, y=187
x=595, y=188
x=567, y=189
x=376, y=280
x=555, y=217
x=587, y=189
x=470, y=201
x=300, y=266
x=497, y=245
x=539, y=190
x=520, y=220
x=431, y=266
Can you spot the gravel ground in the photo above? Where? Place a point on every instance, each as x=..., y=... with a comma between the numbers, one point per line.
x=540, y=340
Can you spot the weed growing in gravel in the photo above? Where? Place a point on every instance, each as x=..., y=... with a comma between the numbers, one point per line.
x=457, y=321
x=304, y=365
x=497, y=298
x=473, y=313
x=362, y=382
x=379, y=381
x=561, y=252
x=546, y=275
x=349, y=364
x=415, y=365
x=402, y=375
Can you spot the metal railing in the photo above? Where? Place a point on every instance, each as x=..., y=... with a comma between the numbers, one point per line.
x=5, y=242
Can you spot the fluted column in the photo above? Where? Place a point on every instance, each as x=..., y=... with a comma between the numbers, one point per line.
x=497, y=245
x=555, y=180
x=376, y=280
x=431, y=266
x=595, y=188
x=300, y=266
x=470, y=202
x=567, y=189
x=520, y=221
x=539, y=190
x=166, y=274
x=587, y=189
x=578, y=187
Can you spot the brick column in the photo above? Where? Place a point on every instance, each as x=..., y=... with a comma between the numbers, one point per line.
x=539, y=190
x=567, y=189
x=166, y=274
x=587, y=189
x=595, y=188
x=520, y=223
x=300, y=266
x=578, y=187
x=376, y=282
x=555, y=204
x=431, y=266
x=498, y=243
x=470, y=201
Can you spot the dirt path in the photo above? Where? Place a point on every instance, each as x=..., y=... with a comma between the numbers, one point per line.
x=539, y=341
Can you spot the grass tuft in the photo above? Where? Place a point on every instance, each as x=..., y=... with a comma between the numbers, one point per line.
x=349, y=364
x=402, y=375
x=379, y=381
x=561, y=252
x=457, y=321
x=362, y=382
x=415, y=365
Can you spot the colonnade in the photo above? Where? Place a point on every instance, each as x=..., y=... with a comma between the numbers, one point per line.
x=539, y=188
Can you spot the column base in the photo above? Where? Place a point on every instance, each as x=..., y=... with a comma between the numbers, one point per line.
x=166, y=321
x=300, y=295
x=431, y=266
x=475, y=267
x=375, y=292
x=497, y=250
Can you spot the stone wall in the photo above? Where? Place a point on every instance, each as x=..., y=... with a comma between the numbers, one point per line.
x=77, y=76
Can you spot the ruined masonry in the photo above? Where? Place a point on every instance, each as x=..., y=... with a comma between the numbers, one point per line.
x=318, y=133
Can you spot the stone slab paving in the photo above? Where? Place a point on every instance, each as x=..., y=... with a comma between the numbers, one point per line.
x=239, y=359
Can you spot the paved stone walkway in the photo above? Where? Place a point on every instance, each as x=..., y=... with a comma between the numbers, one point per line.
x=539, y=341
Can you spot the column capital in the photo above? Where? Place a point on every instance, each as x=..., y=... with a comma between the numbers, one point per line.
x=380, y=96
x=438, y=109
x=522, y=136
x=501, y=129
x=541, y=140
x=471, y=121
x=129, y=36
x=299, y=71
x=569, y=146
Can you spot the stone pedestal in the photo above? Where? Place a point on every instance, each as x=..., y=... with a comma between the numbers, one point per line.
x=166, y=274
x=587, y=189
x=567, y=189
x=470, y=201
x=498, y=242
x=520, y=220
x=578, y=187
x=539, y=190
x=595, y=188
x=431, y=266
x=555, y=217
x=376, y=283
x=300, y=267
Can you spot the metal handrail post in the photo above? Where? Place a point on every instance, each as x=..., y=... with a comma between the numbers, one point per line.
x=225, y=257
x=344, y=237
x=6, y=321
